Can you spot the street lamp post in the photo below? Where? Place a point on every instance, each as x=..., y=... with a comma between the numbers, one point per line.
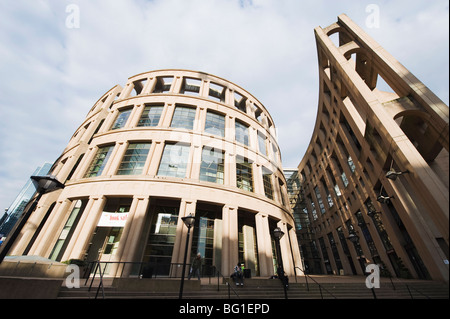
x=355, y=239
x=278, y=234
x=43, y=184
x=189, y=222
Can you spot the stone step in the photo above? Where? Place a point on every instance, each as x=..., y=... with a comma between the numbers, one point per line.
x=274, y=290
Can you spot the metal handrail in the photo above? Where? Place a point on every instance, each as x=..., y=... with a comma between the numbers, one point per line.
x=96, y=267
x=408, y=288
x=219, y=274
x=307, y=285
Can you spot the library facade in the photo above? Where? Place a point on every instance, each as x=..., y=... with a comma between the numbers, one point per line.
x=169, y=144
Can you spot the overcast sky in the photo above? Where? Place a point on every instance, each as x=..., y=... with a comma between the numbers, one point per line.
x=52, y=69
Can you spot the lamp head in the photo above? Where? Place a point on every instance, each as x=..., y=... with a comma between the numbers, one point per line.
x=353, y=237
x=278, y=233
x=188, y=220
x=46, y=184
x=392, y=174
x=384, y=199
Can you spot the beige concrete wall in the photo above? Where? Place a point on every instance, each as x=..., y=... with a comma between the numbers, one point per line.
x=349, y=93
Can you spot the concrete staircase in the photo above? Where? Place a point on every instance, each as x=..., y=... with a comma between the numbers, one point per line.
x=331, y=287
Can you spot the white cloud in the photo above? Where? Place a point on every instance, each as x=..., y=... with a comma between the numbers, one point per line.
x=52, y=75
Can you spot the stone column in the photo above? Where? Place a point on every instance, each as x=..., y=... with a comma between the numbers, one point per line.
x=88, y=226
x=52, y=229
x=296, y=252
x=131, y=235
x=264, y=245
x=230, y=239
x=285, y=247
x=250, y=258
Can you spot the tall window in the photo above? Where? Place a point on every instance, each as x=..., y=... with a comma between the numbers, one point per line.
x=351, y=164
x=215, y=124
x=267, y=181
x=319, y=199
x=99, y=161
x=134, y=159
x=151, y=115
x=183, y=117
x=161, y=239
x=313, y=207
x=67, y=231
x=244, y=174
x=212, y=167
x=275, y=152
x=262, y=143
x=242, y=133
x=174, y=160
x=121, y=119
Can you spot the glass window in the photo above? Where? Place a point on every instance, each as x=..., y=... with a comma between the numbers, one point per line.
x=275, y=152
x=121, y=119
x=313, y=206
x=67, y=231
x=161, y=239
x=174, y=160
x=262, y=143
x=151, y=115
x=212, y=167
x=134, y=159
x=351, y=164
x=319, y=199
x=183, y=117
x=99, y=161
x=267, y=181
x=244, y=174
x=242, y=133
x=215, y=124
x=344, y=179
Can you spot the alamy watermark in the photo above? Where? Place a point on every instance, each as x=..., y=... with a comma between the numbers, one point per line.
x=373, y=279
x=73, y=279
x=373, y=19
x=73, y=17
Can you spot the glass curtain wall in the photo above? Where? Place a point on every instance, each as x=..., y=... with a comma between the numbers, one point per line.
x=67, y=231
x=161, y=239
x=207, y=237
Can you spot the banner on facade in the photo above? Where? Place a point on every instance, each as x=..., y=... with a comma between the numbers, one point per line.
x=112, y=220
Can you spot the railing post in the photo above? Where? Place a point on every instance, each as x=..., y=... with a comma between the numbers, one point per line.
x=373, y=293
x=101, y=281
x=407, y=287
x=218, y=281
x=307, y=285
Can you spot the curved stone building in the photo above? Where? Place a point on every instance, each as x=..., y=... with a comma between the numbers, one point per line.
x=377, y=166
x=168, y=144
